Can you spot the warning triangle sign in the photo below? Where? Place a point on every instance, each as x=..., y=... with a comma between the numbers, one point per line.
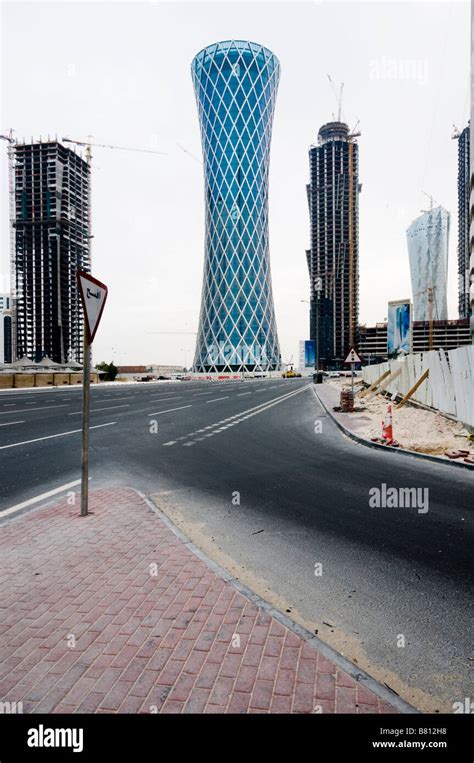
x=93, y=297
x=352, y=357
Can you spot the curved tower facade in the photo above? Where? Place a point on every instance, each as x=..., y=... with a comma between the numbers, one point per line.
x=428, y=240
x=235, y=83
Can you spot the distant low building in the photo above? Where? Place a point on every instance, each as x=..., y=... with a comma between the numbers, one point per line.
x=372, y=343
x=29, y=373
x=130, y=372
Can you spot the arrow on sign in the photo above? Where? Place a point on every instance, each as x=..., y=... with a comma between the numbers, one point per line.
x=93, y=297
x=352, y=357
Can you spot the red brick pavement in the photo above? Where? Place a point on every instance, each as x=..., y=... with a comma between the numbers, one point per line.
x=114, y=613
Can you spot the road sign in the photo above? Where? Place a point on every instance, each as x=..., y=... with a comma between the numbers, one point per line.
x=93, y=296
x=352, y=357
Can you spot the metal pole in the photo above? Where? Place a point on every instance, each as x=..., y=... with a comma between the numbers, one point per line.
x=317, y=331
x=352, y=375
x=86, y=387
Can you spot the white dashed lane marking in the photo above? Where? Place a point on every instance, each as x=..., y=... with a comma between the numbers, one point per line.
x=236, y=419
x=170, y=410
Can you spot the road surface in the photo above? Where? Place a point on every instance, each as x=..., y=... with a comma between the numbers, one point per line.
x=243, y=469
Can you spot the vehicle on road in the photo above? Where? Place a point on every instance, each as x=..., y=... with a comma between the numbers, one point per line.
x=290, y=373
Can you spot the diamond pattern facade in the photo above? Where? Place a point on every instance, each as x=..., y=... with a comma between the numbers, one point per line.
x=235, y=83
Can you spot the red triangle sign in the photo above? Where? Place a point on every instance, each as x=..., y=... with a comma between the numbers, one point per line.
x=93, y=297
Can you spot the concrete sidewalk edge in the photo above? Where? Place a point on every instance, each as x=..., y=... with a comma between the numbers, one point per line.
x=356, y=673
x=378, y=446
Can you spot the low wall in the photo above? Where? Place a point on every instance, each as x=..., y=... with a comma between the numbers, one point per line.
x=20, y=381
x=24, y=380
x=6, y=381
x=449, y=387
x=43, y=380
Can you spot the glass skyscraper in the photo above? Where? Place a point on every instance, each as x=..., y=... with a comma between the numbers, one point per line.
x=428, y=239
x=235, y=83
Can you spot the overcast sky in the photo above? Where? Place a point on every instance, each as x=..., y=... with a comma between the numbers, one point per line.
x=120, y=71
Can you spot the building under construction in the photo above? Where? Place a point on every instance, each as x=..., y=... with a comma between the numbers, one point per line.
x=50, y=218
x=333, y=259
x=447, y=335
x=463, y=139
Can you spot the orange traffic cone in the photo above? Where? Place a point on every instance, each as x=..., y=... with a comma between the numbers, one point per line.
x=387, y=428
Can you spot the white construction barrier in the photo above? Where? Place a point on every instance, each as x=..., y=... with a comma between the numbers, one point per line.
x=449, y=387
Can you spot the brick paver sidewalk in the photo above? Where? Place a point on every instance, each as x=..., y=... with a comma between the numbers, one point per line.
x=87, y=625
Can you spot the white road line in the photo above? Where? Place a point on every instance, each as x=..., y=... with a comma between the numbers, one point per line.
x=170, y=410
x=51, y=436
x=238, y=417
x=239, y=394
x=108, y=408
x=8, y=405
x=114, y=397
x=38, y=498
x=10, y=423
x=158, y=399
x=27, y=410
x=171, y=442
x=217, y=398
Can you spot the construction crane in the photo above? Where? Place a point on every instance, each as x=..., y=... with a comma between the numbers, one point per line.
x=337, y=95
x=430, y=197
x=354, y=133
x=185, y=150
x=88, y=145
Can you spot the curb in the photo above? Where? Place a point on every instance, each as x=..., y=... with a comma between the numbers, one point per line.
x=356, y=673
x=378, y=446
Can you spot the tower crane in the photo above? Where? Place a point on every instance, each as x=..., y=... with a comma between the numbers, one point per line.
x=88, y=145
x=338, y=96
x=430, y=197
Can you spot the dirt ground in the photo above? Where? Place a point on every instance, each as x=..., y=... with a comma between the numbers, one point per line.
x=413, y=427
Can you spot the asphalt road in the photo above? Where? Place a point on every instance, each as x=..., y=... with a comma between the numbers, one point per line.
x=243, y=469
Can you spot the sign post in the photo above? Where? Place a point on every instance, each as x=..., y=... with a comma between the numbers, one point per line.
x=93, y=297
x=352, y=358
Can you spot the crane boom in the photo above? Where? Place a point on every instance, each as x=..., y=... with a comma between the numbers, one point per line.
x=86, y=144
x=337, y=95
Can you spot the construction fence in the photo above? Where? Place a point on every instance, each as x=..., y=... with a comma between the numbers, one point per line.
x=448, y=387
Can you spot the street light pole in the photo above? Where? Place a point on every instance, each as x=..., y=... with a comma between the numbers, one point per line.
x=317, y=332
